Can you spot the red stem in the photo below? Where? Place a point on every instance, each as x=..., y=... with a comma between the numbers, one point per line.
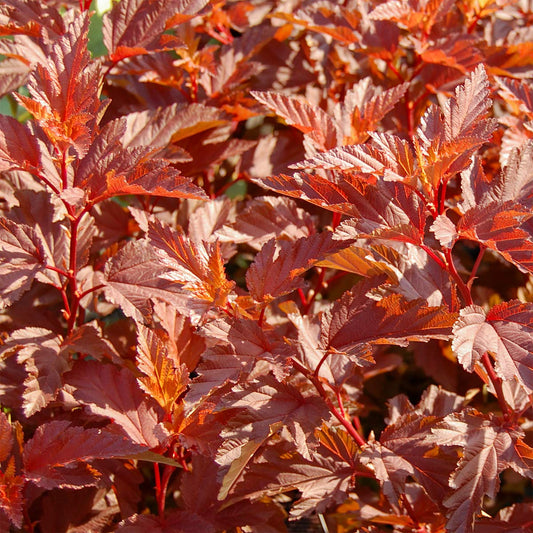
x=58, y=270
x=261, y=318
x=47, y=182
x=318, y=288
x=460, y=283
x=162, y=496
x=433, y=256
x=340, y=402
x=320, y=363
x=397, y=73
x=479, y=257
x=497, y=384
x=442, y=201
x=88, y=291
x=320, y=389
x=410, y=510
x=410, y=109
x=303, y=299
x=157, y=477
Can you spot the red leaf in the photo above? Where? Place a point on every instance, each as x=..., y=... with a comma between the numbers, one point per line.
x=268, y=217
x=406, y=447
x=198, y=267
x=517, y=92
x=309, y=119
x=6, y=437
x=506, y=331
x=485, y=446
x=513, y=519
x=355, y=320
x=200, y=488
x=18, y=147
x=139, y=23
x=360, y=157
x=464, y=115
x=186, y=345
x=111, y=169
x=322, y=481
x=65, y=90
x=497, y=226
x=134, y=276
x=157, y=128
x=165, y=379
x=58, y=455
x=277, y=267
x=22, y=256
x=335, y=195
x=447, y=140
x=312, y=349
x=110, y=392
x=12, y=494
x=364, y=107
x=269, y=402
x=39, y=351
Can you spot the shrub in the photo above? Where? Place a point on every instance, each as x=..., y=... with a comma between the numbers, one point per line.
x=264, y=261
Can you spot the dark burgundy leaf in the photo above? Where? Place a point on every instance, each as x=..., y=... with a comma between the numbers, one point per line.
x=22, y=257
x=58, y=455
x=277, y=267
x=355, y=320
x=18, y=147
x=114, y=393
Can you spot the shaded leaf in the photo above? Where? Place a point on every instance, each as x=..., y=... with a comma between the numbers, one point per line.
x=322, y=481
x=268, y=217
x=18, y=148
x=22, y=256
x=59, y=453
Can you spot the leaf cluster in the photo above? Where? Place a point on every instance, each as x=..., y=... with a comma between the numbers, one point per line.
x=266, y=262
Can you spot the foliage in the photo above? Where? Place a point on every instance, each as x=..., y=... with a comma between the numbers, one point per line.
x=264, y=261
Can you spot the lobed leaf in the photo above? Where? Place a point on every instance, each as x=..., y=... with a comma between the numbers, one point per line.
x=165, y=378
x=198, y=267
x=22, y=256
x=64, y=90
x=505, y=332
x=277, y=267
x=309, y=119
x=355, y=320
x=59, y=454
x=18, y=147
x=486, y=446
x=114, y=393
x=134, y=277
